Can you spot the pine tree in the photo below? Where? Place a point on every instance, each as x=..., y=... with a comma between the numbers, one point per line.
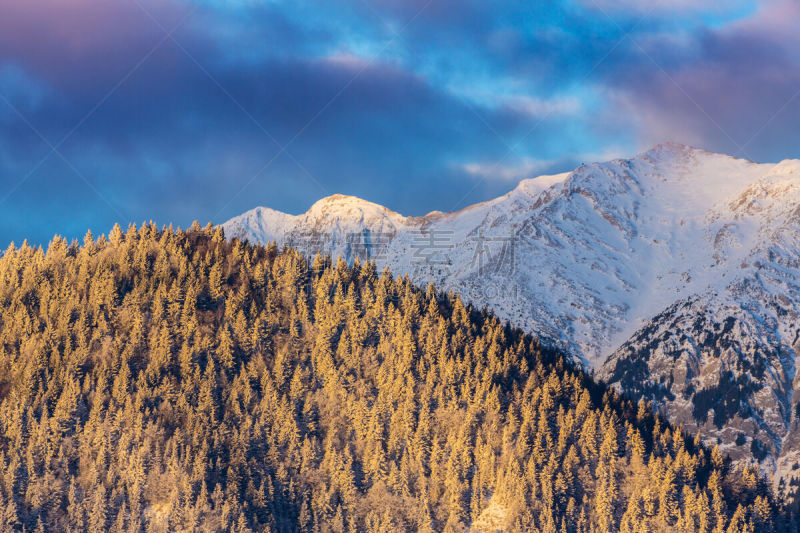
x=164, y=379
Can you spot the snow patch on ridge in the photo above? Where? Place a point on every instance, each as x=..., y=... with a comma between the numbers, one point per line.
x=675, y=274
x=596, y=252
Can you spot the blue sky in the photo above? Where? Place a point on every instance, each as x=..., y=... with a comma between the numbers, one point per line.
x=172, y=111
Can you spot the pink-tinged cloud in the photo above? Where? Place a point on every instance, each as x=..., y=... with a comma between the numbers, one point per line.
x=735, y=89
x=68, y=41
x=714, y=106
x=348, y=61
x=662, y=6
x=776, y=21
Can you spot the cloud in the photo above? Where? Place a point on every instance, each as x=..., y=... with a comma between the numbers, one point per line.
x=58, y=40
x=526, y=168
x=409, y=104
x=658, y=6
x=20, y=89
x=173, y=144
x=732, y=89
x=537, y=107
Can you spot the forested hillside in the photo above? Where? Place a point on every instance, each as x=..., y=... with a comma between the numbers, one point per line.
x=162, y=380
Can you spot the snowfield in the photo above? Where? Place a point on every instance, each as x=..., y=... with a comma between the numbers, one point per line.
x=674, y=275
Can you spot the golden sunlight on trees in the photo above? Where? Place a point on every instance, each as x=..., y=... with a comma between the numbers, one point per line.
x=163, y=380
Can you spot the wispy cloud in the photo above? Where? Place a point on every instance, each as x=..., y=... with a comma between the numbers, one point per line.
x=537, y=107
x=527, y=168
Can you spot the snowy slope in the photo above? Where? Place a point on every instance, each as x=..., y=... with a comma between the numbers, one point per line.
x=724, y=360
x=596, y=252
x=629, y=264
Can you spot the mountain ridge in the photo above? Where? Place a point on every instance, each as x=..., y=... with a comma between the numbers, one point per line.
x=589, y=259
x=273, y=224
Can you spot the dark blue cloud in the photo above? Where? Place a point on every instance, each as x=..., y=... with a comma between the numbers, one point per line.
x=417, y=105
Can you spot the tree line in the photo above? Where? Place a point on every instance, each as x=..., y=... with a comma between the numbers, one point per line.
x=172, y=380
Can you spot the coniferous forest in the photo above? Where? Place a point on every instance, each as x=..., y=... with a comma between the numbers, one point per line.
x=169, y=380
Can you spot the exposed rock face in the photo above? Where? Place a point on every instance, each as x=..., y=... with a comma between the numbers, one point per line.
x=724, y=361
x=674, y=275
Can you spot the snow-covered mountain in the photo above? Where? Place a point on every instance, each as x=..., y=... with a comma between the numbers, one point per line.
x=674, y=275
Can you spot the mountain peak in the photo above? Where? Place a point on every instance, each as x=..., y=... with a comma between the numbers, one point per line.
x=677, y=151
x=339, y=198
x=679, y=264
x=671, y=149
x=674, y=146
x=596, y=225
x=342, y=205
x=342, y=201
